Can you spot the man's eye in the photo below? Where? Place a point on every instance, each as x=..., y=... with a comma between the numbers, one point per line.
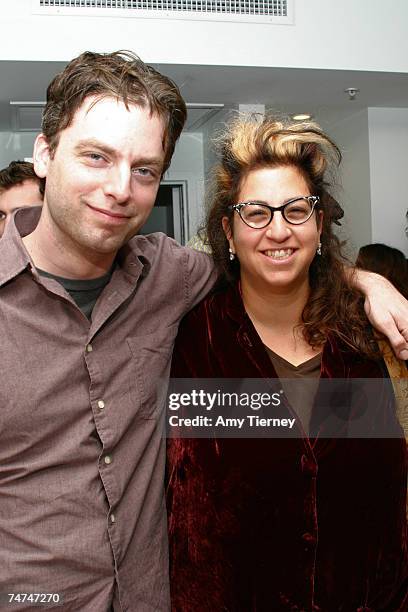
x=144, y=172
x=2, y=215
x=95, y=157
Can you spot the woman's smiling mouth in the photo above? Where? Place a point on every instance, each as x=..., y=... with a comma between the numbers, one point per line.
x=278, y=254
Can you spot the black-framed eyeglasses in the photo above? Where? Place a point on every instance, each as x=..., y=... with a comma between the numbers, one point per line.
x=258, y=214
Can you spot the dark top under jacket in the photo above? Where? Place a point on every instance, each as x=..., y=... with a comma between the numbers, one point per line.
x=264, y=525
x=82, y=454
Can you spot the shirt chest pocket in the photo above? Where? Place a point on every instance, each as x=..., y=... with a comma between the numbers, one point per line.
x=151, y=358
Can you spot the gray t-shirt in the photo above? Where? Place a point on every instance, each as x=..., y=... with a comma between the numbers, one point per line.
x=83, y=292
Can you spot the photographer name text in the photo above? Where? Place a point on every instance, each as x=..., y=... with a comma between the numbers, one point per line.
x=250, y=420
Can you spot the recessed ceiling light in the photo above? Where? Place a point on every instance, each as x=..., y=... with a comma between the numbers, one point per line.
x=301, y=117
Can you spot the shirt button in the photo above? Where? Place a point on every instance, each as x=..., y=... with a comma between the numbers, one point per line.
x=112, y=518
x=108, y=459
x=89, y=348
x=101, y=404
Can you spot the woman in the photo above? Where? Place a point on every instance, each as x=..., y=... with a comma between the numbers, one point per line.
x=317, y=521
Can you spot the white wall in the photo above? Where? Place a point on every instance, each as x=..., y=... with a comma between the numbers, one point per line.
x=188, y=165
x=210, y=129
x=15, y=146
x=351, y=135
x=388, y=144
x=363, y=35
x=374, y=144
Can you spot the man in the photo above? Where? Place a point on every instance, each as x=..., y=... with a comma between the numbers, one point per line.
x=19, y=186
x=89, y=316
x=82, y=461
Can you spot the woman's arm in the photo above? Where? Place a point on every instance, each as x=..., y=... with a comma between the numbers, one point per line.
x=385, y=307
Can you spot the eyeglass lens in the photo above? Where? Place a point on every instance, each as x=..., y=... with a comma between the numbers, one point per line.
x=259, y=215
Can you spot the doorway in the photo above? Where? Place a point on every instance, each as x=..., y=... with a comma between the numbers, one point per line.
x=168, y=213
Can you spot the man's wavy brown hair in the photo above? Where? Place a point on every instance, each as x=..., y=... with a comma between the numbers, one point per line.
x=121, y=75
x=253, y=142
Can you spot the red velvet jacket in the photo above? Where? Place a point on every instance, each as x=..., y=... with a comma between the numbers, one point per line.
x=262, y=525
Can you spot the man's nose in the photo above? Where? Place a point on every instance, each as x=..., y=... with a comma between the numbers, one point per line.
x=278, y=229
x=118, y=183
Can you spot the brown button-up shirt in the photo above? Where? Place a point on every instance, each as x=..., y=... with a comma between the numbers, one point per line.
x=82, y=510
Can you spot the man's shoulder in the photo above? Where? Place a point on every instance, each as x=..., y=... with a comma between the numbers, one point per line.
x=169, y=263
x=156, y=247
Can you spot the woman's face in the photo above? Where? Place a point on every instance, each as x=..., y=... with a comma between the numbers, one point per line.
x=278, y=256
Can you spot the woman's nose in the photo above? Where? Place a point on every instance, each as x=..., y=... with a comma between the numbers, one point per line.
x=278, y=229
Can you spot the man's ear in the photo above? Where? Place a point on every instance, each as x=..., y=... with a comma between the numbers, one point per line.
x=41, y=156
x=226, y=226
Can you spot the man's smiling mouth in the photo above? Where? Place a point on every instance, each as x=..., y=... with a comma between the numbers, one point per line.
x=108, y=213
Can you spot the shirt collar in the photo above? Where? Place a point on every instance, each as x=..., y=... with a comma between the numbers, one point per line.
x=14, y=258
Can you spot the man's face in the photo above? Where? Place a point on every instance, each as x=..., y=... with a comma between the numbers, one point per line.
x=26, y=193
x=103, y=178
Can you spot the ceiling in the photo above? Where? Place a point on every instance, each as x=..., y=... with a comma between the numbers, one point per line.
x=320, y=92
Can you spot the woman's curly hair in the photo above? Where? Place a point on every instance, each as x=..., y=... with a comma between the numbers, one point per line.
x=251, y=142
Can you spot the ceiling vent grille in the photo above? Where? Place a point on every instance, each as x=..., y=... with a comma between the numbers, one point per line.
x=258, y=11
